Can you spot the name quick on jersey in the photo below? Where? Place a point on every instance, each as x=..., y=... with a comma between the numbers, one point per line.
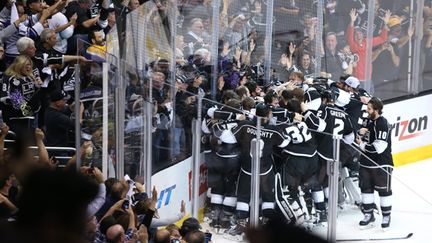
x=264, y=134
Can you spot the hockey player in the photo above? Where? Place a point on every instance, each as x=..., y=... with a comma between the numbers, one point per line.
x=337, y=124
x=245, y=135
x=356, y=108
x=226, y=167
x=375, y=174
x=301, y=166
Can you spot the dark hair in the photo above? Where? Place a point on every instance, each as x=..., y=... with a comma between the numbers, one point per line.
x=248, y=103
x=251, y=85
x=195, y=236
x=232, y=105
x=268, y=98
x=91, y=34
x=105, y=223
x=298, y=94
x=228, y=95
x=287, y=94
x=241, y=91
x=293, y=105
x=376, y=104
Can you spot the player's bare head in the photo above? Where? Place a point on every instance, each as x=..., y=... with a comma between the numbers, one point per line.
x=376, y=104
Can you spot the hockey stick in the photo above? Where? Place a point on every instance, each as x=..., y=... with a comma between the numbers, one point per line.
x=377, y=239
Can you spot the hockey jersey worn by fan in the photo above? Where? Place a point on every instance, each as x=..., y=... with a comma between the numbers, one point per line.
x=245, y=136
x=337, y=123
x=357, y=109
x=377, y=142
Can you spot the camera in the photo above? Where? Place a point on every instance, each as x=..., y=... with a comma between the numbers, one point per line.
x=125, y=204
x=175, y=241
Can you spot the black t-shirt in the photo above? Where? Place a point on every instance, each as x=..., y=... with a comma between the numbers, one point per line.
x=377, y=137
x=83, y=15
x=58, y=123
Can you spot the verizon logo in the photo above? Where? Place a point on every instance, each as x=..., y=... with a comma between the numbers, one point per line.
x=408, y=129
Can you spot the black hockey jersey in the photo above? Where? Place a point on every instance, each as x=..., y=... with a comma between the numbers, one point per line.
x=378, y=142
x=282, y=115
x=356, y=110
x=245, y=135
x=302, y=141
x=227, y=145
x=337, y=123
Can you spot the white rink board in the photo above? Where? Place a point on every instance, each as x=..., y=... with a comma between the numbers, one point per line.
x=412, y=120
x=174, y=184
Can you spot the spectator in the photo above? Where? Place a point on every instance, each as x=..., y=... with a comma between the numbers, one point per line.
x=195, y=236
x=306, y=65
x=57, y=120
x=195, y=37
x=62, y=199
x=189, y=225
x=85, y=21
x=31, y=27
x=174, y=231
x=63, y=27
x=24, y=94
x=162, y=236
x=357, y=42
x=8, y=196
x=331, y=64
x=97, y=50
x=133, y=4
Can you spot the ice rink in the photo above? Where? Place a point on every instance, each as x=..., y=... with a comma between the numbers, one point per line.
x=412, y=210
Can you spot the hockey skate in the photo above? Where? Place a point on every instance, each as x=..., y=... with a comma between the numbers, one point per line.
x=385, y=223
x=215, y=219
x=368, y=221
x=237, y=232
x=322, y=217
x=227, y=219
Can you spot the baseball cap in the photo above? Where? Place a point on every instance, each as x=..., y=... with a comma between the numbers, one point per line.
x=57, y=95
x=353, y=82
x=394, y=20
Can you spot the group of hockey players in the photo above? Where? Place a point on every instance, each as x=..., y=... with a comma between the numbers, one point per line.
x=299, y=120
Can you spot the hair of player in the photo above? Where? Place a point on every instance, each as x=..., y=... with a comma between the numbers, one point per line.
x=376, y=104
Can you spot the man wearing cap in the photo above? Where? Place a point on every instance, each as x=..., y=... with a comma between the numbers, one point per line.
x=356, y=108
x=58, y=121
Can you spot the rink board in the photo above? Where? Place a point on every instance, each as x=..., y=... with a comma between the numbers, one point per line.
x=412, y=129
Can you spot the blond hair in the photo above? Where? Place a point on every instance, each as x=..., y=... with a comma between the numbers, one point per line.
x=15, y=68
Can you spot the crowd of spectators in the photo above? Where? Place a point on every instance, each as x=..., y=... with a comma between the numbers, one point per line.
x=39, y=50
